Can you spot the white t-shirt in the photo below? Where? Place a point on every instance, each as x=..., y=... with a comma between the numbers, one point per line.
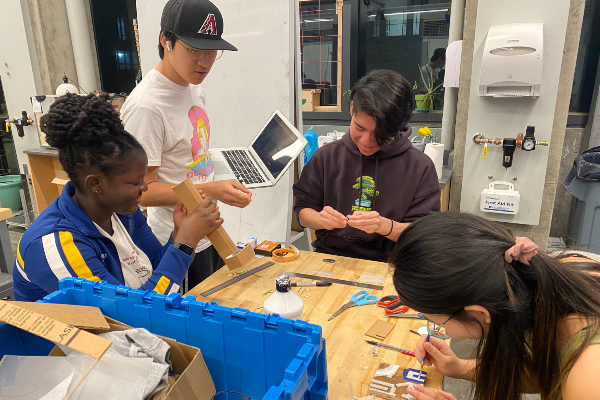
x=135, y=264
x=171, y=123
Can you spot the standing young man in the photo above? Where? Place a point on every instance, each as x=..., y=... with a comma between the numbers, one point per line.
x=167, y=115
x=361, y=192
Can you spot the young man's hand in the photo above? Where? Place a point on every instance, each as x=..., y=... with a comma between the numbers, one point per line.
x=370, y=222
x=230, y=192
x=332, y=219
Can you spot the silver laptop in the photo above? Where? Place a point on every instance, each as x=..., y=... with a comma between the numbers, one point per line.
x=267, y=158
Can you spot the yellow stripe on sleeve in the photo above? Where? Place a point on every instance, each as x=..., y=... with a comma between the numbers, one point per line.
x=162, y=285
x=21, y=262
x=74, y=257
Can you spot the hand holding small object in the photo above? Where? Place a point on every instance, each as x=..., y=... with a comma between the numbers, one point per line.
x=436, y=352
x=332, y=219
x=370, y=222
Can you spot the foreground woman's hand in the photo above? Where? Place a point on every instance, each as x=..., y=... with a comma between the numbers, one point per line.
x=422, y=393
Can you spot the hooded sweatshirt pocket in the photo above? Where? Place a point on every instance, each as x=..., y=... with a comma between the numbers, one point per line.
x=373, y=249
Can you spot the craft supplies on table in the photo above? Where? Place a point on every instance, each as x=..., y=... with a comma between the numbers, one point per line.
x=387, y=346
x=306, y=284
x=284, y=302
x=360, y=298
x=236, y=279
x=332, y=280
x=346, y=350
x=392, y=305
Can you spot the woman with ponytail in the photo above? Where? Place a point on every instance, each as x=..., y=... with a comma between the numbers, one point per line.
x=536, y=317
x=95, y=229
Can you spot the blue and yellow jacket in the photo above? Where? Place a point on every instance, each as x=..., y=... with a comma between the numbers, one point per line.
x=63, y=242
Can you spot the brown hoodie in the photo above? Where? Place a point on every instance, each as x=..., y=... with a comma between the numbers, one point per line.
x=400, y=184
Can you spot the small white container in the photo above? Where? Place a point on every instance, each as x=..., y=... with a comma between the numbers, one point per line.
x=284, y=301
x=500, y=201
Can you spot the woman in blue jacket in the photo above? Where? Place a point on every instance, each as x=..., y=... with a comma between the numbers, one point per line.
x=94, y=229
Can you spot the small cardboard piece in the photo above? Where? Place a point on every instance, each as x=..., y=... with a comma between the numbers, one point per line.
x=189, y=196
x=380, y=330
x=389, y=383
x=194, y=382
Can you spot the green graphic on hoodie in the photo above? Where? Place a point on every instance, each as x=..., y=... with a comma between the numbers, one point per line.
x=368, y=190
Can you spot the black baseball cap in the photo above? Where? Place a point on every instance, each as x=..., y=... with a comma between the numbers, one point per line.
x=197, y=23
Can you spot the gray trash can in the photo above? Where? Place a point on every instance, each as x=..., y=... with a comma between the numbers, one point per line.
x=583, y=182
x=6, y=286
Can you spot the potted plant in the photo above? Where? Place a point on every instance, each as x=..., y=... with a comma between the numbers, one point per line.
x=424, y=101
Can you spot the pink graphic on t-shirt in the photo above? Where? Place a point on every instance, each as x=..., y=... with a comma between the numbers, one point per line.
x=201, y=166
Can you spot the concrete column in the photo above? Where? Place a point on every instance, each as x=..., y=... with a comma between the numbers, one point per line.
x=82, y=49
x=52, y=39
x=457, y=13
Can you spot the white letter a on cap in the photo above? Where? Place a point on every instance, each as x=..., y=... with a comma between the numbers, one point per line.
x=210, y=26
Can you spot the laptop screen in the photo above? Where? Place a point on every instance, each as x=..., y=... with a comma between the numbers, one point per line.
x=276, y=146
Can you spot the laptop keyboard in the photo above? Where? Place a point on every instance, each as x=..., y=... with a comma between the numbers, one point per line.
x=242, y=167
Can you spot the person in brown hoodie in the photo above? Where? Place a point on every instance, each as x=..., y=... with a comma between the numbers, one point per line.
x=359, y=193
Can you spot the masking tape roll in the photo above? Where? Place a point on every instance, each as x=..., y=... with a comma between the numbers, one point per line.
x=287, y=253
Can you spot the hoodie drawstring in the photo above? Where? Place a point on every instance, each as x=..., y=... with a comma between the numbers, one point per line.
x=375, y=184
x=360, y=187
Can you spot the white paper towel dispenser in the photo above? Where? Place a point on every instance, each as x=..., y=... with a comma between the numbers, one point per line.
x=512, y=61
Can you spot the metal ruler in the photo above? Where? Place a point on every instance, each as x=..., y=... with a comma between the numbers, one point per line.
x=340, y=281
x=236, y=279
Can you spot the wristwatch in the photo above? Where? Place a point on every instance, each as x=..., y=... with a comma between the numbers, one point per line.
x=185, y=248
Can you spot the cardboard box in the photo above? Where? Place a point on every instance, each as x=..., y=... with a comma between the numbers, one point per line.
x=79, y=331
x=311, y=98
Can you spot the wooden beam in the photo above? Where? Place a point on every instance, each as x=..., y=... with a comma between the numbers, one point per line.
x=220, y=239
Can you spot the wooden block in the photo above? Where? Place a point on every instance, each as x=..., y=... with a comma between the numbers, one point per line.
x=380, y=329
x=219, y=238
x=222, y=242
x=5, y=213
x=188, y=194
x=240, y=259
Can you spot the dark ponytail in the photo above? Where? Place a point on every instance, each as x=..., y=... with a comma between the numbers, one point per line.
x=87, y=131
x=447, y=261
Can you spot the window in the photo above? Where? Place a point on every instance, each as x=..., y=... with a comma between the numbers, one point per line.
x=587, y=59
x=406, y=36
x=118, y=58
x=121, y=28
x=321, y=48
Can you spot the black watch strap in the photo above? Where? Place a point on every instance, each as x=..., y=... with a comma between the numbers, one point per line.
x=185, y=248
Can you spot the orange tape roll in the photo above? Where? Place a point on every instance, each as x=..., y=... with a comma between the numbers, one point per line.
x=285, y=255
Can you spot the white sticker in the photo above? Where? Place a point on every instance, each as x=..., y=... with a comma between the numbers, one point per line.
x=37, y=106
x=388, y=372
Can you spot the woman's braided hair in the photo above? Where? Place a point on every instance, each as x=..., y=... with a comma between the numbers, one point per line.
x=87, y=131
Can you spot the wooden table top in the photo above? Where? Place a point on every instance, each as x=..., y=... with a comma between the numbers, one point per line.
x=348, y=356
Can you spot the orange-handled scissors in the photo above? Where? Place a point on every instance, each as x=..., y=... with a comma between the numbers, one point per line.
x=392, y=305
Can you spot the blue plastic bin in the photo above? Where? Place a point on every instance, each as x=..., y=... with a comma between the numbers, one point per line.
x=262, y=357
